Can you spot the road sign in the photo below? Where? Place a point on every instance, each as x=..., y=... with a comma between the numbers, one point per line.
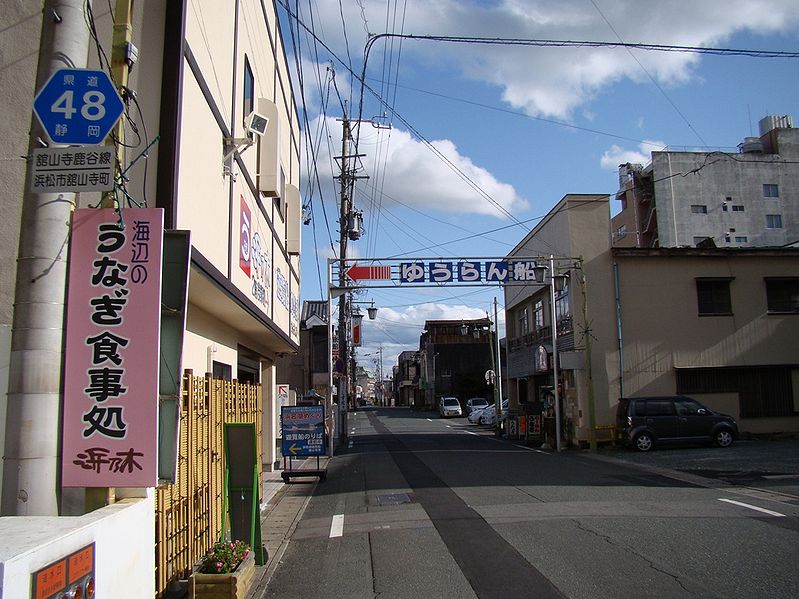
x=303, y=430
x=78, y=106
x=374, y=273
x=74, y=169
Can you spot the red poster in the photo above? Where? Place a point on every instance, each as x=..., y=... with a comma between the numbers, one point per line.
x=112, y=340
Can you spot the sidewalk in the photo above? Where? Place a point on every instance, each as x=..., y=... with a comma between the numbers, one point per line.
x=282, y=507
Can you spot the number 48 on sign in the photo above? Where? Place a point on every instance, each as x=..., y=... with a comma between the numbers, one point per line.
x=78, y=106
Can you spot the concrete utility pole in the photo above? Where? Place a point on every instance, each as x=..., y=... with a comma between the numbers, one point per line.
x=31, y=472
x=344, y=216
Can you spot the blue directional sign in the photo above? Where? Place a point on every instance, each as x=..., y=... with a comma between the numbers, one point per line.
x=303, y=430
x=78, y=106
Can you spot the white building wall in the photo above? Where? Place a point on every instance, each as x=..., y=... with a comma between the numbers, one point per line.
x=123, y=534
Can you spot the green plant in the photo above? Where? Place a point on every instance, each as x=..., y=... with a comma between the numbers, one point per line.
x=224, y=557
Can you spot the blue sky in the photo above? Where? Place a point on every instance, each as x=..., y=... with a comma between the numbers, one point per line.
x=527, y=125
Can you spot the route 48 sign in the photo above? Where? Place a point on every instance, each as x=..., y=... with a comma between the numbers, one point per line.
x=78, y=106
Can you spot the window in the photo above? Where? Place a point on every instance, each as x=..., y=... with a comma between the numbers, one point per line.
x=249, y=91
x=773, y=221
x=713, y=297
x=699, y=209
x=659, y=407
x=538, y=315
x=782, y=295
x=524, y=323
x=771, y=190
x=741, y=239
x=737, y=208
x=686, y=407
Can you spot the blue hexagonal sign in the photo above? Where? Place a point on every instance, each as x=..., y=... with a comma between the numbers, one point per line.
x=78, y=106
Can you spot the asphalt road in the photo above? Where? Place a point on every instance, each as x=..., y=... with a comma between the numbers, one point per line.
x=417, y=506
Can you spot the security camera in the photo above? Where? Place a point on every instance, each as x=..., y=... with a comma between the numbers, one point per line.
x=256, y=123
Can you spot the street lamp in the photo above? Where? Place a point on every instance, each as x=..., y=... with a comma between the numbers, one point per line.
x=556, y=284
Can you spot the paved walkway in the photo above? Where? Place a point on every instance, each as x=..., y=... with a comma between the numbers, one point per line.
x=281, y=509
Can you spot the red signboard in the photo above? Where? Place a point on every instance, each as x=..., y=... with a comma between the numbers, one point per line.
x=111, y=359
x=245, y=238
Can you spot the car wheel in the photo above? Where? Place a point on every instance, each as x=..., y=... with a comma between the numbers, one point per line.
x=723, y=437
x=643, y=442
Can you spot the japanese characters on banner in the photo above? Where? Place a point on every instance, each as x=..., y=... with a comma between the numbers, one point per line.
x=466, y=271
x=112, y=341
x=254, y=258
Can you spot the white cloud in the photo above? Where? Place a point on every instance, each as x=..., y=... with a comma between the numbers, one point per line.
x=616, y=155
x=555, y=82
x=413, y=174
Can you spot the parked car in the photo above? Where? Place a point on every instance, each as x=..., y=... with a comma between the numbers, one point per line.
x=489, y=415
x=643, y=422
x=475, y=402
x=449, y=406
x=476, y=413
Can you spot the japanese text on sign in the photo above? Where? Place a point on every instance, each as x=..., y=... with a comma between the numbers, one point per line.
x=112, y=349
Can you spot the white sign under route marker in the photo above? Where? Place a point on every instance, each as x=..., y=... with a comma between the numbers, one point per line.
x=73, y=169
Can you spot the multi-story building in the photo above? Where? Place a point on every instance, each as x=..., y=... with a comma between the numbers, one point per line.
x=406, y=377
x=197, y=72
x=718, y=324
x=717, y=199
x=454, y=357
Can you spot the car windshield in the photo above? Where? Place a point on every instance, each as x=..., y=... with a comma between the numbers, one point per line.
x=479, y=402
x=450, y=401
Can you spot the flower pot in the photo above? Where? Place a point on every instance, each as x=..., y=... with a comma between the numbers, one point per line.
x=233, y=585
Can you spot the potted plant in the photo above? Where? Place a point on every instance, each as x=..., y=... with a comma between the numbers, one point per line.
x=226, y=571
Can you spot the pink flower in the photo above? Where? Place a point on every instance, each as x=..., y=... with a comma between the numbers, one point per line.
x=218, y=565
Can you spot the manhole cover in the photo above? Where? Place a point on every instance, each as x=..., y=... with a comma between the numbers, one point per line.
x=393, y=499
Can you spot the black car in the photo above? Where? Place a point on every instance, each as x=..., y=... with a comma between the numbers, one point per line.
x=644, y=421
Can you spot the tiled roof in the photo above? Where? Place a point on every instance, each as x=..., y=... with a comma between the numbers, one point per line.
x=312, y=308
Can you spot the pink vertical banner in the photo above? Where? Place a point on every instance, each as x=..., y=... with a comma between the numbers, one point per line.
x=112, y=343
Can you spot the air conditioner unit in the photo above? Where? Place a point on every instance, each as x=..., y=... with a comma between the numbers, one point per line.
x=269, y=178
x=293, y=220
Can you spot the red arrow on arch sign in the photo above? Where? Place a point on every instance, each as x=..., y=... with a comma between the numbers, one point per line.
x=362, y=273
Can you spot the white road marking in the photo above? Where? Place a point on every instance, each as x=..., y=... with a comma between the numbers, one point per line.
x=471, y=433
x=532, y=449
x=429, y=419
x=337, y=526
x=753, y=507
x=780, y=476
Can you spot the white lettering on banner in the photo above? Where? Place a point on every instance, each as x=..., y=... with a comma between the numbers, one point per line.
x=411, y=272
x=523, y=271
x=440, y=272
x=468, y=271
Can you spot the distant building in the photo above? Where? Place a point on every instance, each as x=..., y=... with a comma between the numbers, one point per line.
x=454, y=356
x=308, y=370
x=714, y=199
x=406, y=378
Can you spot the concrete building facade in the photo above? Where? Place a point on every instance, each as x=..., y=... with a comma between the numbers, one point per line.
x=716, y=324
x=744, y=199
x=197, y=72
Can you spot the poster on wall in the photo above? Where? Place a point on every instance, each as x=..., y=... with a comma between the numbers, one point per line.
x=111, y=358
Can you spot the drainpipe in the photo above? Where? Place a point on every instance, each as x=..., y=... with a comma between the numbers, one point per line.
x=619, y=338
